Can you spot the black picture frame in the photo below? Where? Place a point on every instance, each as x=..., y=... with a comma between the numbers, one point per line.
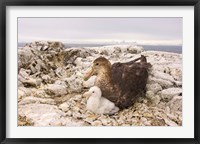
x=5, y=3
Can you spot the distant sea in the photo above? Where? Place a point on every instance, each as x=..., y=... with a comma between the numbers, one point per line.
x=174, y=49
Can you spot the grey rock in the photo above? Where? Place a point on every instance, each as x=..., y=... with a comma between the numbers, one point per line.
x=46, y=78
x=55, y=89
x=64, y=107
x=25, y=56
x=32, y=82
x=163, y=83
x=168, y=94
x=41, y=114
x=154, y=87
x=175, y=104
x=31, y=99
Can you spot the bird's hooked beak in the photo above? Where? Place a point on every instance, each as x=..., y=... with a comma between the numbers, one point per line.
x=88, y=74
x=87, y=95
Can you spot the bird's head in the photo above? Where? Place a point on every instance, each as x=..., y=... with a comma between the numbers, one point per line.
x=93, y=91
x=100, y=65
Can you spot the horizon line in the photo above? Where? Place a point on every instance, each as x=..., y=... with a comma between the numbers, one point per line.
x=114, y=42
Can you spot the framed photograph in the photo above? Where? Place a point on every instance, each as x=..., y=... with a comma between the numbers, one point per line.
x=99, y=71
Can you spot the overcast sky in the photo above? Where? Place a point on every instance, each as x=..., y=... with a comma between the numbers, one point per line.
x=167, y=31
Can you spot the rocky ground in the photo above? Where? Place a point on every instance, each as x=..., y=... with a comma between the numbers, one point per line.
x=50, y=86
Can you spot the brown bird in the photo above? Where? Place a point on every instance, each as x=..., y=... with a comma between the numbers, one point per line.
x=121, y=83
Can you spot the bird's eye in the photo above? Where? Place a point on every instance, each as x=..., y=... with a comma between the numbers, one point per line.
x=97, y=63
x=92, y=91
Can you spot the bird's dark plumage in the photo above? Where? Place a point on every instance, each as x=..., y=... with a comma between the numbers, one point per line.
x=121, y=83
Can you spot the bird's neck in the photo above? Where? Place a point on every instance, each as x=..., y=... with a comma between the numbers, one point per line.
x=105, y=76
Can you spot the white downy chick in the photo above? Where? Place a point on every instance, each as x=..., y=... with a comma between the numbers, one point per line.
x=98, y=104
